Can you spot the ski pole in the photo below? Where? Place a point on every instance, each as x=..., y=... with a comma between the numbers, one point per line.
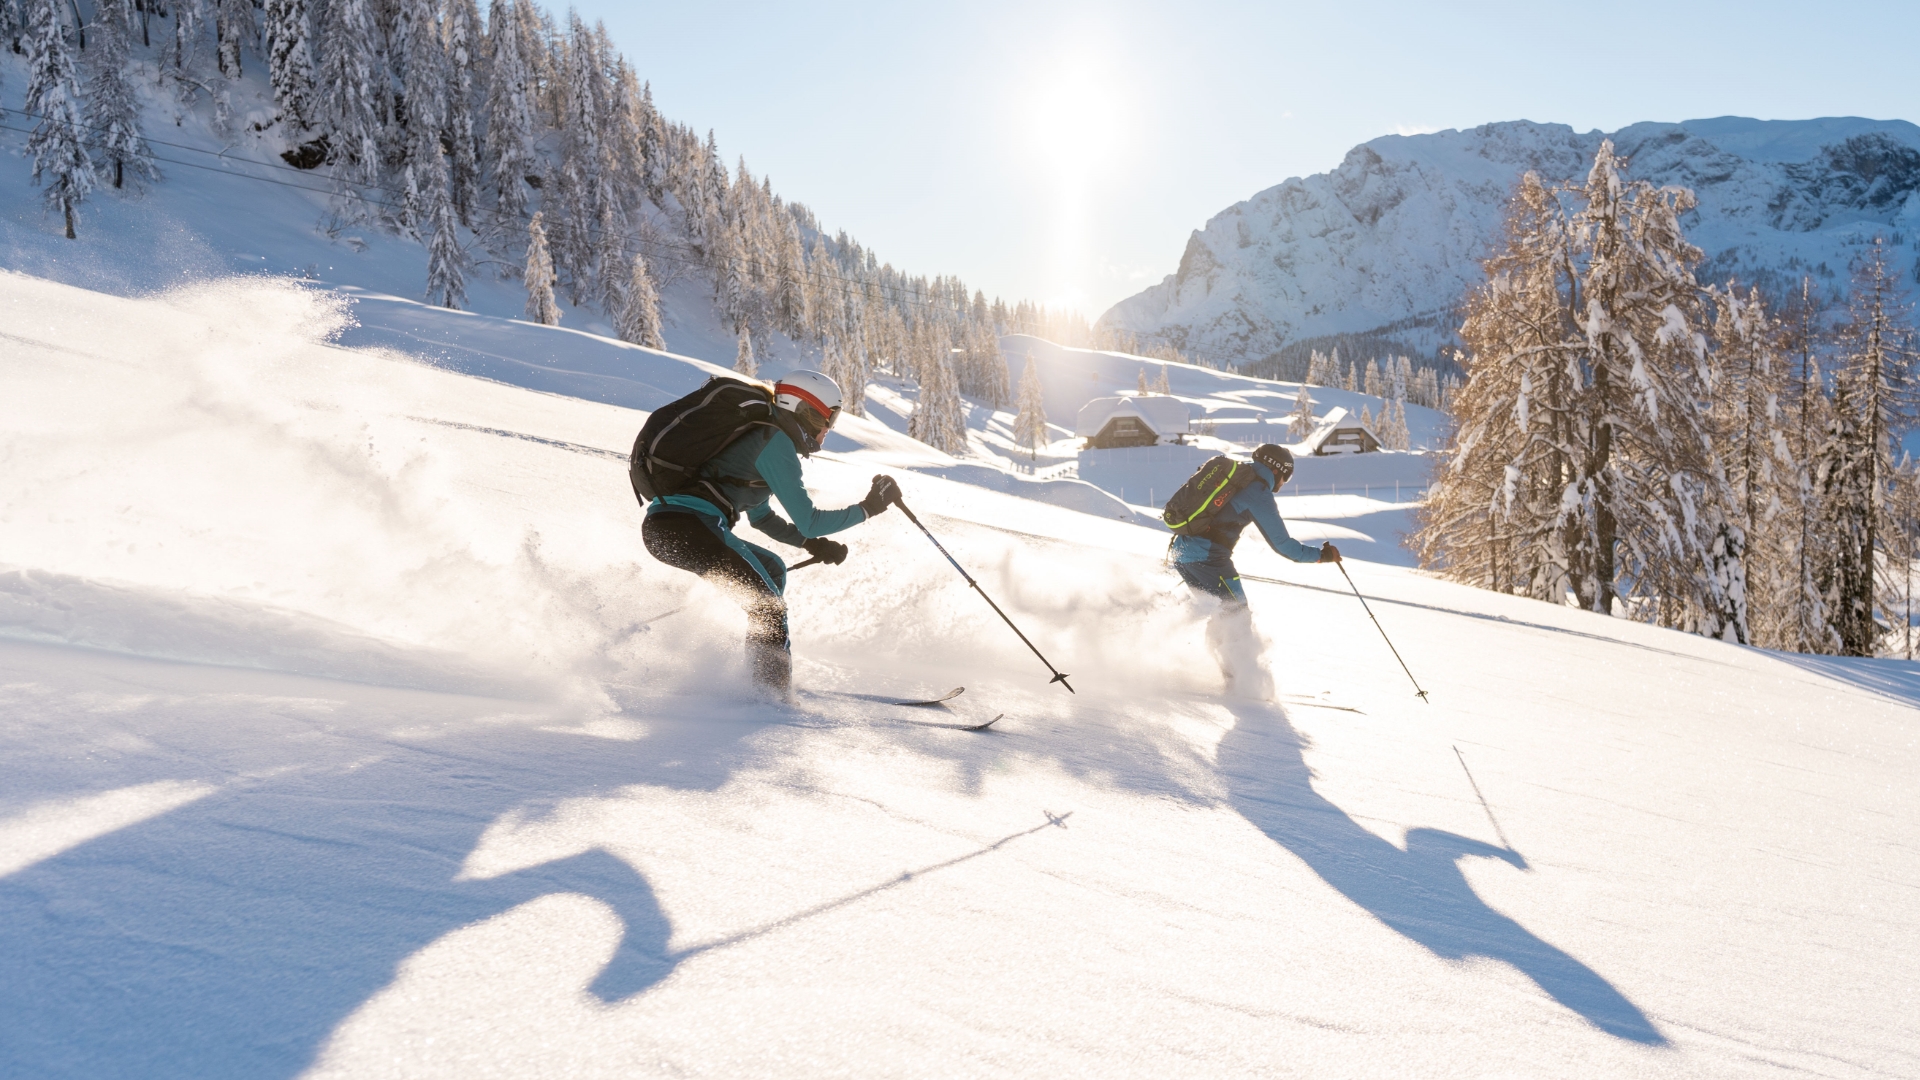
x=1057, y=676
x=1422, y=694
x=798, y=565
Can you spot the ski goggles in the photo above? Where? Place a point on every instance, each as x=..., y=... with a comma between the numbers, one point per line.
x=816, y=418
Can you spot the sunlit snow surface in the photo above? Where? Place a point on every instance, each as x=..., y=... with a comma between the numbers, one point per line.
x=329, y=750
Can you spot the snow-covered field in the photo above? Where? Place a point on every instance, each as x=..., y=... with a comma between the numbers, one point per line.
x=330, y=750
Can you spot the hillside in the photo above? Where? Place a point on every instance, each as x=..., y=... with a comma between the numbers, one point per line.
x=1390, y=240
x=331, y=749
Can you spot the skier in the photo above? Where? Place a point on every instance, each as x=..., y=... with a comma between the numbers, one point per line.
x=1204, y=559
x=694, y=532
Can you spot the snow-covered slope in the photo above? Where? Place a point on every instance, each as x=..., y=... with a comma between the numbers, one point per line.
x=1397, y=230
x=328, y=748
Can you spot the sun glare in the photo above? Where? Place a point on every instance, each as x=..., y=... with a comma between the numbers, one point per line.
x=1073, y=114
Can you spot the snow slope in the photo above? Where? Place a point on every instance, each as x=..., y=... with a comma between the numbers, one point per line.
x=1398, y=230
x=330, y=750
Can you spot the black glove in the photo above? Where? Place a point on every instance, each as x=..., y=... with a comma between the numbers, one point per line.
x=827, y=551
x=1329, y=553
x=883, y=494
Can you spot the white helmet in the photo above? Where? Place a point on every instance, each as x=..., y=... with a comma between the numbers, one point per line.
x=812, y=397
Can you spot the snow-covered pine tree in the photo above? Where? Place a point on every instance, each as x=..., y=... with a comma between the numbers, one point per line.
x=1873, y=400
x=446, y=277
x=113, y=111
x=940, y=418
x=1749, y=434
x=639, y=320
x=350, y=103
x=233, y=29
x=290, y=61
x=462, y=43
x=790, y=296
x=1370, y=382
x=60, y=158
x=1809, y=416
x=1352, y=384
x=1494, y=515
x=509, y=139
x=423, y=91
x=1366, y=419
x=1030, y=423
x=1140, y=384
x=1161, y=386
x=539, y=275
x=1645, y=478
x=743, y=361
x=1300, y=423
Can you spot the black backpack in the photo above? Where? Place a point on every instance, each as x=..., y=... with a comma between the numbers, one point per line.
x=1191, y=510
x=683, y=435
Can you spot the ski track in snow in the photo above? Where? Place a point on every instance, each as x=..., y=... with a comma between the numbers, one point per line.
x=329, y=751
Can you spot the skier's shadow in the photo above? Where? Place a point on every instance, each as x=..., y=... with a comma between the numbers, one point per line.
x=1419, y=892
x=232, y=936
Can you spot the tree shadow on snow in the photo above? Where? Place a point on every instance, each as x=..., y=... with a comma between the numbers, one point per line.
x=232, y=936
x=1420, y=892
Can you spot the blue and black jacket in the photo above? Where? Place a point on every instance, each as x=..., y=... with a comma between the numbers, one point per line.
x=1254, y=505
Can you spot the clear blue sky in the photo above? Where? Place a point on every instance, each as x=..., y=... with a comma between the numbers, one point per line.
x=1063, y=151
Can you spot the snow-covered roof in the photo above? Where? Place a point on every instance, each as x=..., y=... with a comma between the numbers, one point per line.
x=1336, y=421
x=1165, y=415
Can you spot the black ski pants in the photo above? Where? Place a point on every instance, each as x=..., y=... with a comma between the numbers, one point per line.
x=690, y=542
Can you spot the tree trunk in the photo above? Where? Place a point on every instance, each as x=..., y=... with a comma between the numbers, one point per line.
x=68, y=207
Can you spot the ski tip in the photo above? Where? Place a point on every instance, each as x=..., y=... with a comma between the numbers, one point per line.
x=988, y=724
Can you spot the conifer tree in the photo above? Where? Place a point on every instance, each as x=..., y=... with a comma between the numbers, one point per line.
x=1371, y=381
x=290, y=60
x=1804, y=624
x=639, y=320
x=1366, y=419
x=1645, y=470
x=1030, y=424
x=539, y=276
x=462, y=41
x=350, y=102
x=60, y=157
x=445, y=259
x=1495, y=515
x=1140, y=383
x=743, y=361
x=1300, y=424
x=1873, y=398
x=423, y=82
x=1162, y=387
x=233, y=29
x=509, y=112
x=113, y=111
x=940, y=419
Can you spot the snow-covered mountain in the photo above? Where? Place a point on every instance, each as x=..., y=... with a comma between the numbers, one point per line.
x=1391, y=239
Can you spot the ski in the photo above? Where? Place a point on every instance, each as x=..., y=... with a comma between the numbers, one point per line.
x=1312, y=704
x=941, y=700
x=957, y=727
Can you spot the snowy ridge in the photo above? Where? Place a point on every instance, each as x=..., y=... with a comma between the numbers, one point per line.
x=1398, y=229
x=248, y=830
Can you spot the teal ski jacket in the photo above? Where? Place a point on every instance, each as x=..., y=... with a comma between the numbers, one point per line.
x=1253, y=506
x=761, y=466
